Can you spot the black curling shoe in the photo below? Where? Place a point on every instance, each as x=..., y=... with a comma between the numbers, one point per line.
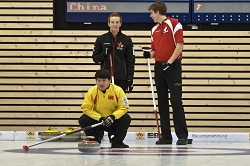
x=182, y=141
x=163, y=141
x=121, y=145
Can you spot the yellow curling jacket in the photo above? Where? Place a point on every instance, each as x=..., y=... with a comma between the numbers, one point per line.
x=97, y=104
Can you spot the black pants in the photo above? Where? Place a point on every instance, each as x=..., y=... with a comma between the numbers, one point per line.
x=122, y=83
x=170, y=79
x=118, y=128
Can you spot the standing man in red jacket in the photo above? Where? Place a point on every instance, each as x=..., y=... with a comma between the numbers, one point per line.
x=166, y=48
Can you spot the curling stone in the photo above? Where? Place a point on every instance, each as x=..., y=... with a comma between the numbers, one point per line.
x=51, y=132
x=72, y=137
x=89, y=144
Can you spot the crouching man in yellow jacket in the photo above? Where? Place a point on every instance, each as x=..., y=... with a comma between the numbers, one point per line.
x=108, y=103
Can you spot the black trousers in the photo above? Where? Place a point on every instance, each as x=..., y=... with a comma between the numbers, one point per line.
x=170, y=79
x=118, y=128
x=122, y=83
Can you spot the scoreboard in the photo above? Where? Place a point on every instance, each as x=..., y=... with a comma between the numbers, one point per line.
x=136, y=11
x=221, y=11
x=130, y=10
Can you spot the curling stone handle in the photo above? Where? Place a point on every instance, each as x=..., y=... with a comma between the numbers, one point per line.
x=73, y=128
x=52, y=127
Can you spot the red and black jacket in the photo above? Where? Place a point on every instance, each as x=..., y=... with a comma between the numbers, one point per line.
x=123, y=56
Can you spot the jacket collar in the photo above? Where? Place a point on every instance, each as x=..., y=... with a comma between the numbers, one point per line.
x=117, y=33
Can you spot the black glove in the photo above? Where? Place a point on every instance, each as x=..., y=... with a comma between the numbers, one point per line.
x=108, y=49
x=108, y=120
x=130, y=86
x=166, y=67
x=146, y=52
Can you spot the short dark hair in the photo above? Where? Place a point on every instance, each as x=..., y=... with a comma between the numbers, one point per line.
x=104, y=73
x=114, y=14
x=158, y=6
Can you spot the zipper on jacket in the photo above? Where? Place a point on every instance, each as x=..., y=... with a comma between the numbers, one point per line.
x=113, y=53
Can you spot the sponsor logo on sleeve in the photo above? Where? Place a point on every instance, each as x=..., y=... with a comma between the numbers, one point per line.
x=125, y=100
